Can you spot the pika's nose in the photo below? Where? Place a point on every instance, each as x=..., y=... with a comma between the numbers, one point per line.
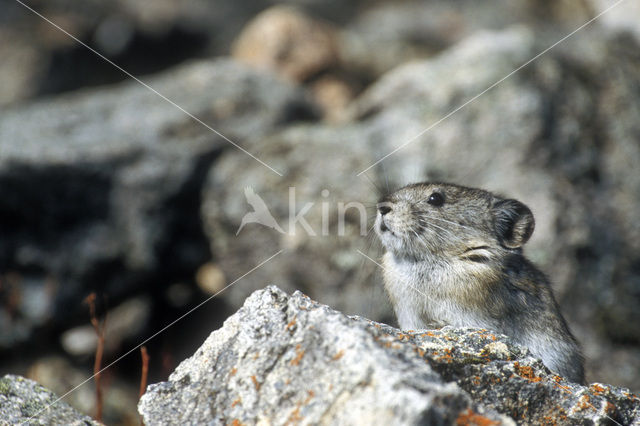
x=384, y=208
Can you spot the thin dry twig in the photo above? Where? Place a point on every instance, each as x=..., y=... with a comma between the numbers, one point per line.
x=99, y=329
x=145, y=370
x=143, y=377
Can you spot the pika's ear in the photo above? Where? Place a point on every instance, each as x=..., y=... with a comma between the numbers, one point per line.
x=513, y=223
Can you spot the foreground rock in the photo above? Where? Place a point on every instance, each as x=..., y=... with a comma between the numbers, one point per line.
x=23, y=401
x=287, y=359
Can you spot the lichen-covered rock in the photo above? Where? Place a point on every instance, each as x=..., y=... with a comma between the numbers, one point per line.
x=287, y=359
x=25, y=402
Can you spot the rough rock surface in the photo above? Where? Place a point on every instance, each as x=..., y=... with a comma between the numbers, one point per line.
x=287, y=359
x=23, y=401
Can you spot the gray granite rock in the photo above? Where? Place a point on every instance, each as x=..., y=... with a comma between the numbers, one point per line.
x=286, y=359
x=25, y=402
x=283, y=359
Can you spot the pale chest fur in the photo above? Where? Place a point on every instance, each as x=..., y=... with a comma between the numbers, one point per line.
x=427, y=295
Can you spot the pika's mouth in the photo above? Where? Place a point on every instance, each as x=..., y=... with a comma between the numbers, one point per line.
x=383, y=229
x=384, y=207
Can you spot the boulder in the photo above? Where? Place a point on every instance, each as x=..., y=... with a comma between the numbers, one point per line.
x=100, y=189
x=283, y=359
x=285, y=41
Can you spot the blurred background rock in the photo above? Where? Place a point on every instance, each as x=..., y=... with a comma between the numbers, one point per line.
x=105, y=187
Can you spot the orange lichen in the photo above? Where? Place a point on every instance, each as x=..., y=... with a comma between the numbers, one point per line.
x=447, y=357
x=338, y=355
x=420, y=351
x=526, y=372
x=299, y=355
x=597, y=388
x=471, y=418
x=294, y=417
x=631, y=395
x=255, y=382
x=291, y=324
x=555, y=416
x=233, y=371
x=236, y=402
x=609, y=407
x=584, y=402
x=559, y=379
x=311, y=394
x=236, y=422
x=402, y=336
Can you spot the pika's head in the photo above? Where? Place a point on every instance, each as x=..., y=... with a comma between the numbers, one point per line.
x=426, y=219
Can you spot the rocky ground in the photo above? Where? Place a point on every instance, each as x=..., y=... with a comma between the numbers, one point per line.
x=287, y=359
x=107, y=187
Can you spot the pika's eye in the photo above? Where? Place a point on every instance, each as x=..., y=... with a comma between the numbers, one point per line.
x=436, y=199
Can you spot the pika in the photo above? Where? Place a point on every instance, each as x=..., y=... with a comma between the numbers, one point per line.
x=454, y=257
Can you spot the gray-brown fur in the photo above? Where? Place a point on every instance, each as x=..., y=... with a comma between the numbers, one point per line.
x=456, y=259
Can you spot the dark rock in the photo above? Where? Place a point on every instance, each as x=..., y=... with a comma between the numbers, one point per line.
x=100, y=191
x=143, y=38
x=23, y=401
x=287, y=358
x=318, y=163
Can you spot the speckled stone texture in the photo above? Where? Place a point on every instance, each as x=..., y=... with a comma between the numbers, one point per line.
x=25, y=402
x=286, y=359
